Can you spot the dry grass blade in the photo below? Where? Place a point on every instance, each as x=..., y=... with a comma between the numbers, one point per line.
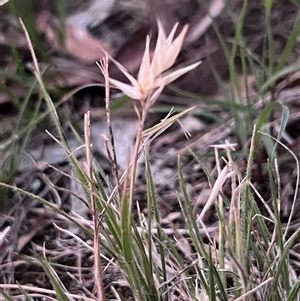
x=223, y=176
x=43, y=291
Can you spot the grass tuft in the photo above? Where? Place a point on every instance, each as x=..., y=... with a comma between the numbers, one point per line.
x=246, y=254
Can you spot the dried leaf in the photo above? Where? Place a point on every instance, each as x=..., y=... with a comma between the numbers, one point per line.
x=78, y=42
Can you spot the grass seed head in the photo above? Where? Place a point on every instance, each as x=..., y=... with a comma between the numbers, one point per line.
x=152, y=76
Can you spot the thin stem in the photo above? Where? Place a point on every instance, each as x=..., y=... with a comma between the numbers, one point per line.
x=135, y=155
x=97, y=252
x=103, y=65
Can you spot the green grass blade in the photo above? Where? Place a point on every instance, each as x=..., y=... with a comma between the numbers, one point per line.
x=284, y=271
x=145, y=280
x=6, y=296
x=263, y=118
x=186, y=208
x=212, y=293
x=56, y=284
x=48, y=204
x=284, y=120
x=290, y=43
x=52, y=109
x=279, y=74
x=283, y=258
x=294, y=292
x=152, y=201
x=126, y=229
x=27, y=298
x=212, y=101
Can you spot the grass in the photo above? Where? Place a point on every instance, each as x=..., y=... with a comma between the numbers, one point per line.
x=250, y=256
